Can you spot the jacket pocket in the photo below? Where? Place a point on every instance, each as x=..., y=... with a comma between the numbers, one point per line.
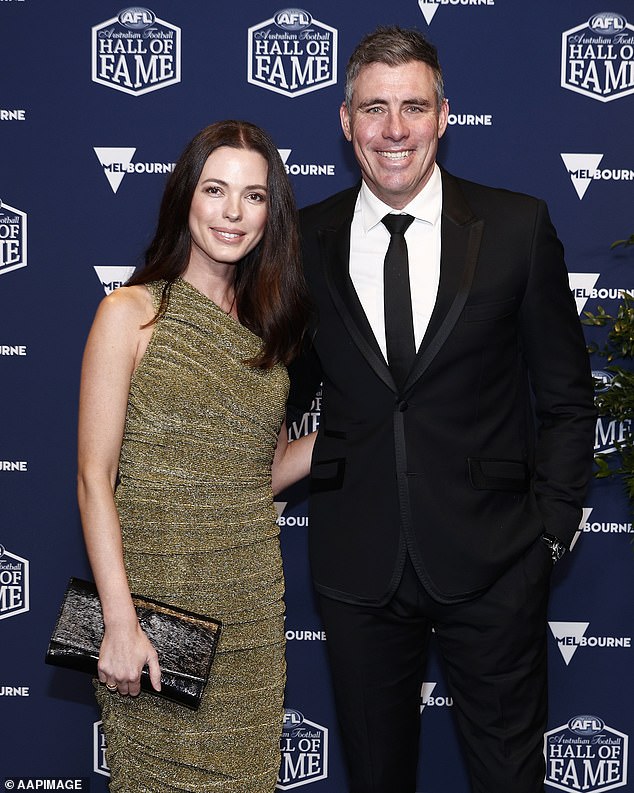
x=487, y=311
x=327, y=475
x=509, y=475
x=337, y=434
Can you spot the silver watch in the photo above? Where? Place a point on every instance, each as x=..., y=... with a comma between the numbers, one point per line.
x=557, y=549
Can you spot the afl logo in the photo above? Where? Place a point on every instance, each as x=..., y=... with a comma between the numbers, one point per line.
x=136, y=17
x=602, y=380
x=607, y=22
x=292, y=718
x=293, y=19
x=586, y=725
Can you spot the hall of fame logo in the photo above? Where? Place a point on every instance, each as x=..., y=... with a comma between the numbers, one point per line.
x=304, y=746
x=14, y=584
x=610, y=434
x=12, y=238
x=292, y=53
x=597, y=57
x=308, y=422
x=136, y=52
x=99, y=764
x=602, y=380
x=585, y=754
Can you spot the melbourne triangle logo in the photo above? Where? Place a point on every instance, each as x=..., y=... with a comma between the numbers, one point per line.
x=568, y=636
x=112, y=277
x=581, y=169
x=581, y=285
x=115, y=163
x=428, y=10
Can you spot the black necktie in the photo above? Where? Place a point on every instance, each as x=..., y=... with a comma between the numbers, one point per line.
x=399, y=326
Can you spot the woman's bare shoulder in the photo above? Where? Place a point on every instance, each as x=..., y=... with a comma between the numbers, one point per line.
x=130, y=305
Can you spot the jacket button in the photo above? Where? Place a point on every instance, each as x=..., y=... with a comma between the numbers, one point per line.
x=402, y=406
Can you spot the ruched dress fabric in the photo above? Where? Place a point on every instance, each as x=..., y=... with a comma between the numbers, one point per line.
x=199, y=531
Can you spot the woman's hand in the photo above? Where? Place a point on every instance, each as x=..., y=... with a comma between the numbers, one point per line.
x=125, y=650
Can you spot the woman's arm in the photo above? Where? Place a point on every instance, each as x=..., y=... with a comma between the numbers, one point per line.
x=115, y=345
x=292, y=460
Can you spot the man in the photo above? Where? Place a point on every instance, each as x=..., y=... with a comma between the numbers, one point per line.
x=450, y=468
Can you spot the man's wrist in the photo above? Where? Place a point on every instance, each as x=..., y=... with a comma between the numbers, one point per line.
x=557, y=549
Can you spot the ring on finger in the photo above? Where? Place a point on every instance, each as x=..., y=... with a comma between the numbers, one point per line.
x=111, y=687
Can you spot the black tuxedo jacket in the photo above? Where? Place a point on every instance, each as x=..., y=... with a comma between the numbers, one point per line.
x=490, y=441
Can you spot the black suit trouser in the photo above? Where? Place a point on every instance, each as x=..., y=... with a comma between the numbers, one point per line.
x=494, y=654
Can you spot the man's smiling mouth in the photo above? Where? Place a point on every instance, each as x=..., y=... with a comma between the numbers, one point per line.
x=396, y=155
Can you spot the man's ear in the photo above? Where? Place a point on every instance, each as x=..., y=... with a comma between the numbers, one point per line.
x=344, y=117
x=443, y=118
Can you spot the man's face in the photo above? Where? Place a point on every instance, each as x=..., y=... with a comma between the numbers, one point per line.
x=394, y=126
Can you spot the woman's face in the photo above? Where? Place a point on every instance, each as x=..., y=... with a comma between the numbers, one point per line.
x=229, y=208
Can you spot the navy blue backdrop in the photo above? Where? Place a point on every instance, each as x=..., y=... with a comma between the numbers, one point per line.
x=96, y=103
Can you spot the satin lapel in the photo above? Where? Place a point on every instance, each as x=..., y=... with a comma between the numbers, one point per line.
x=461, y=234
x=336, y=252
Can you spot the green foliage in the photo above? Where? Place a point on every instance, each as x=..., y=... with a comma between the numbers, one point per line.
x=617, y=401
x=620, y=343
x=628, y=241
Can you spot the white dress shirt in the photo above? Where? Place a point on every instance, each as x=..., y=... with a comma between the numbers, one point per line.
x=369, y=240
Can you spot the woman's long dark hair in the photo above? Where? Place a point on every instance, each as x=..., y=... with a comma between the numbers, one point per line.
x=271, y=297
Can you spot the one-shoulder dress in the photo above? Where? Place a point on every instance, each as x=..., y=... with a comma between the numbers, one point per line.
x=199, y=531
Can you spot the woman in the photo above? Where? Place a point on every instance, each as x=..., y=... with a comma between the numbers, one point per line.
x=181, y=413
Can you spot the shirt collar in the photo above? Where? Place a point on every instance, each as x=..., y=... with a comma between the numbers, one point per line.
x=425, y=206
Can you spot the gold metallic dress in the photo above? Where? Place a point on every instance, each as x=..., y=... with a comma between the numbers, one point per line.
x=199, y=531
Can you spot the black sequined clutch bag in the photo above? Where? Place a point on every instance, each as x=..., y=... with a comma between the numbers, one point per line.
x=185, y=642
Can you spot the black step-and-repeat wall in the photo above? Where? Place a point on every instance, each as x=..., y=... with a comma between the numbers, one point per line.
x=96, y=103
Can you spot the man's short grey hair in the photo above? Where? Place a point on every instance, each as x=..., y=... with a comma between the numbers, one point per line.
x=393, y=46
